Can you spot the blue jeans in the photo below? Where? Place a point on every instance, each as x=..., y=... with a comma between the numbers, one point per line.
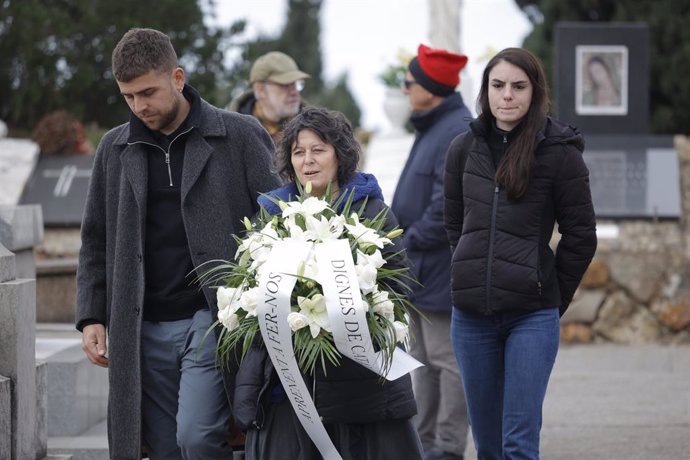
x=505, y=360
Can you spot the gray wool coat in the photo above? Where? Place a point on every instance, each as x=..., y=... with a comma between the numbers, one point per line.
x=227, y=164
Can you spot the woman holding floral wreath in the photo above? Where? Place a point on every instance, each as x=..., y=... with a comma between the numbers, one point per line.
x=365, y=416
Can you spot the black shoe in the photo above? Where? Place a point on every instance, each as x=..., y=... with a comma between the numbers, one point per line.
x=437, y=454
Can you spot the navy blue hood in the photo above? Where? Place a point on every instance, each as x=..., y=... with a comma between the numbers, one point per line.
x=364, y=185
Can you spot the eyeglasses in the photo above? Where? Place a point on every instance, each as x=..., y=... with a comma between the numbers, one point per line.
x=297, y=85
x=408, y=83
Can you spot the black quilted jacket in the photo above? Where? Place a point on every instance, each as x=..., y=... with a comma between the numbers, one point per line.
x=501, y=255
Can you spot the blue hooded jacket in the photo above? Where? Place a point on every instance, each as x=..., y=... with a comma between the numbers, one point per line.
x=364, y=186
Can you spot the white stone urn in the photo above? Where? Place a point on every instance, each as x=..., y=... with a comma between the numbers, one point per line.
x=397, y=108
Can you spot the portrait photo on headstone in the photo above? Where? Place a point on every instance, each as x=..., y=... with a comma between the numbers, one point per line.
x=601, y=83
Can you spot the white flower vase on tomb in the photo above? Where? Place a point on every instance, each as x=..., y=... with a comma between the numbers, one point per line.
x=397, y=109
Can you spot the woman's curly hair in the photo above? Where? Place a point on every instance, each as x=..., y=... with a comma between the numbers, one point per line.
x=333, y=128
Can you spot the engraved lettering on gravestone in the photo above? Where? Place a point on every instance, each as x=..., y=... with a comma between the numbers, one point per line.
x=607, y=179
x=618, y=181
x=65, y=177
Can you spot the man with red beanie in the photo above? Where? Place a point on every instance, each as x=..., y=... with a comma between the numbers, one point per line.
x=438, y=116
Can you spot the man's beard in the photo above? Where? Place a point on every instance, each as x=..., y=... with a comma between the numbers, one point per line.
x=166, y=118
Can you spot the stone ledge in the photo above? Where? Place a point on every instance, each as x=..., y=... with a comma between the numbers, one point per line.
x=58, y=266
x=77, y=394
x=8, y=265
x=21, y=227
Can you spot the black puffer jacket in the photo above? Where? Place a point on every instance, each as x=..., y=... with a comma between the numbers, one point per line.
x=501, y=255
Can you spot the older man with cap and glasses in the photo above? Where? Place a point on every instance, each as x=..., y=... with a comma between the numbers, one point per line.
x=274, y=97
x=438, y=116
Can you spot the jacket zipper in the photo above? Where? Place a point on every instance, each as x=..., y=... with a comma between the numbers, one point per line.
x=166, y=153
x=492, y=237
x=539, y=271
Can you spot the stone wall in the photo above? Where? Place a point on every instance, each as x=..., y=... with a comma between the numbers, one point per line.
x=637, y=289
x=20, y=230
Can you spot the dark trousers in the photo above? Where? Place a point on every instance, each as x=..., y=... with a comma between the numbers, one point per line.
x=185, y=412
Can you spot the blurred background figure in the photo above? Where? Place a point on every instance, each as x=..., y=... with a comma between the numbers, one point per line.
x=438, y=115
x=60, y=134
x=274, y=98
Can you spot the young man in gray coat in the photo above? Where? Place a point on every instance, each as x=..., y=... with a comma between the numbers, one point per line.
x=168, y=190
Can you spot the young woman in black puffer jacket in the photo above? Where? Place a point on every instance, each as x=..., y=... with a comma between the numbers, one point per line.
x=508, y=181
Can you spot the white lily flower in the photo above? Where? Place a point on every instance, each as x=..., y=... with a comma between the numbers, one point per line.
x=364, y=235
x=309, y=268
x=295, y=231
x=249, y=300
x=402, y=331
x=319, y=229
x=376, y=259
x=308, y=207
x=314, y=310
x=268, y=232
x=226, y=297
x=337, y=225
x=260, y=256
x=366, y=277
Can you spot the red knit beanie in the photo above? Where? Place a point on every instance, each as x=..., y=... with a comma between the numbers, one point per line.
x=437, y=70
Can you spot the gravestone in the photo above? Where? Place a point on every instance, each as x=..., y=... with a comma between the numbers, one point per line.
x=601, y=76
x=17, y=160
x=601, y=81
x=59, y=184
x=18, y=231
x=633, y=176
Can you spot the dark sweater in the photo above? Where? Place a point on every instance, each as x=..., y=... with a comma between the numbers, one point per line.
x=170, y=293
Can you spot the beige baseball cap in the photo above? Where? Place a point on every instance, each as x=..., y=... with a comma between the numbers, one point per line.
x=276, y=67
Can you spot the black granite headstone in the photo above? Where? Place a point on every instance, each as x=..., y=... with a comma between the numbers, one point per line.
x=601, y=76
x=59, y=184
x=633, y=176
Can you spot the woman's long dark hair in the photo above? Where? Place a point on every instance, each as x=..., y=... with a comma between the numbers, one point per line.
x=515, y=170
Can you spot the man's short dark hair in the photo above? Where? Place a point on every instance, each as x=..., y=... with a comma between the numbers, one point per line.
x=333, y=128
x=140, y=51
